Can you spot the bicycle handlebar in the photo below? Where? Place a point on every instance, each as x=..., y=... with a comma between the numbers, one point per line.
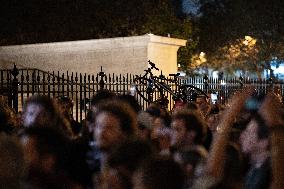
x=174, y=75
x=153, y=66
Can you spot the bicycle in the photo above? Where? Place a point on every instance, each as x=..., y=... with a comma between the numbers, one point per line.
x=182, y=92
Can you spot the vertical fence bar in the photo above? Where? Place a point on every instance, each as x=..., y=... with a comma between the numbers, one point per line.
x=63, y=85
x=53, y=84
x=97, y=82
x=22, y=87
x=89, y=93
x=85, y=95
x=15, y=73
x=205, y=83
x=33, y=82
x=72, y=86
x=120, y=81
x=116, y=84
x=102, y=75
x=76, y=96
x=71, y=93
x=58, y=84
x=68, y=86
x=80, y=96
x=9, y=89
x=123, y=85
x=48, y=84
x=107, y=82
x=28, y=83
x=93, y=85
x=43, y=84
x=38, y=82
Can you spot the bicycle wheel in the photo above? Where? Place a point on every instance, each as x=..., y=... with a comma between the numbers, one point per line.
x=190, y=93
x=144, y=88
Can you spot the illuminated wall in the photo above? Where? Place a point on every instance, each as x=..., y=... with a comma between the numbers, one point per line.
x=115, y=55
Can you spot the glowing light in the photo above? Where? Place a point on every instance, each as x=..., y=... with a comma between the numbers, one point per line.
x=223, y=82
x=248, y=38
x=249, y=41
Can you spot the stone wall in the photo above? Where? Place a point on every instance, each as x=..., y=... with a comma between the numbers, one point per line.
x=115, y=55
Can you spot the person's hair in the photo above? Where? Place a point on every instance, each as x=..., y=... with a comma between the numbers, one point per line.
x=123, y=112
x=161, y=173
x=154, y=110
x=49, y=141
x=101, y=96
x=193, y=122
x=90, y=116
x=166, y=119
x=214, y=109
x=131, y=100
x=12, y=164
x=191, y=106
x=65, y=100
x=7, y=119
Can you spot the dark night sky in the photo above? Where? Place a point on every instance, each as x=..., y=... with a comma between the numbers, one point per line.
x=31, y=21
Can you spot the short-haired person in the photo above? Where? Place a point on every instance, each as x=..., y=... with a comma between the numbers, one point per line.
x=115, y=123
x=189, y=130
x=66, y=107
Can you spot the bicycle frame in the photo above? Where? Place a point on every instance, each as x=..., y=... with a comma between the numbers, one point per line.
x=182, y=92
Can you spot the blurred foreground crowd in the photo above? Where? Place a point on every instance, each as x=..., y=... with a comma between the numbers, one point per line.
x=197, y=145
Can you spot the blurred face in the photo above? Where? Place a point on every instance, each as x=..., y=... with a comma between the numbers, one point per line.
x=107, y=130
x=179, y=132
x=31, y=114
x=249, y=138
x=202, y=105
x=157, y=124
x=66, y=109
x=213, y=121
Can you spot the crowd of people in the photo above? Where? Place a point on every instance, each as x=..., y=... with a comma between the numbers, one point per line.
x=197, y=145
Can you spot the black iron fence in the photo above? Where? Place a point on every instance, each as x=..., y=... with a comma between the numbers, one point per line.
x=18, y=84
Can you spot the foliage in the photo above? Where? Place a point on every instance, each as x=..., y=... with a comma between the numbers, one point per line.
x=223, y=24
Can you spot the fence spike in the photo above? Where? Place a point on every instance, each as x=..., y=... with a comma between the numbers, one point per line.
x=85, y=78
x=76, y=77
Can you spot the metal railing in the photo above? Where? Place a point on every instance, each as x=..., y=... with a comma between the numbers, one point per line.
x=19, y=84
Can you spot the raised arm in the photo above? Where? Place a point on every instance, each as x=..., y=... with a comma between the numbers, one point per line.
x=215, y=163
x=272, y=111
